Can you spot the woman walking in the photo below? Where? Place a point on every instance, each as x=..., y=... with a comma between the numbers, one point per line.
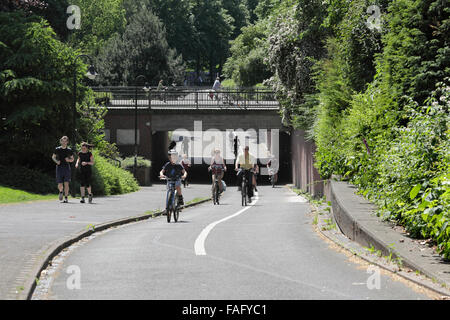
x=85, y=162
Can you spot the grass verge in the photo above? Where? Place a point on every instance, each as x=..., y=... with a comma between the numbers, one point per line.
x=10, y=195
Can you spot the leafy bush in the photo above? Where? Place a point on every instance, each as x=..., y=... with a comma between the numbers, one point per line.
x=388, y=132
x=409, y=176
x=128, y=163
x=26, y=179
x=107, y=179
x=229, y=83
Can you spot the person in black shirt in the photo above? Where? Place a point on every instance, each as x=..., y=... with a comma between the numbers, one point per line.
x=85, y=162
x=172, y=170
x=63, y=156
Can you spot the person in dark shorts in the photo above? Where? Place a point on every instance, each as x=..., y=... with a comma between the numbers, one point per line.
x=173, y=170
x=63, y=156
x=85, y=162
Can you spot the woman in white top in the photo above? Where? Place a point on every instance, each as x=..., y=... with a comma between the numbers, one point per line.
x=218, y=168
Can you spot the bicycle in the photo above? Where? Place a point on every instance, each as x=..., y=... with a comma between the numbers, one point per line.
x=215, y=187
x=216, y=192
x=185, y=183
x=272, y=174
x=172, y=206
x=244, y=186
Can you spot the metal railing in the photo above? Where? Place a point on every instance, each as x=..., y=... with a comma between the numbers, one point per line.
x=186, y=98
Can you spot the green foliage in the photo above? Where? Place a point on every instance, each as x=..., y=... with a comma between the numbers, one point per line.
x=9, y=195
x=177, y=19
x=25, y=179
x=215, y=27
x=417, y=52
x=128, y=163
x=247, y=64
x=36, y=89
x=412, y=181
x=229, y=83
x=107, y=179
x=100, y=20
x=381, y=111
x=55, y=13
x=296, y=43
x=141, y=49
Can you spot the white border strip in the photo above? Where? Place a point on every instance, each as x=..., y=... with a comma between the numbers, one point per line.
x=199, y=245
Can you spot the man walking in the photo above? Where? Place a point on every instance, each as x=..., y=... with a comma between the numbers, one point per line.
x=63, y=156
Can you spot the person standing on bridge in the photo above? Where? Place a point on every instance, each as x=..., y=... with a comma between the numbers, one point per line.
x=216, y=87
x=161, y=89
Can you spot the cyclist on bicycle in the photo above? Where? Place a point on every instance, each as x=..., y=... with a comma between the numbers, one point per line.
x=247, y=163
x=218, y=169
x=172, y=170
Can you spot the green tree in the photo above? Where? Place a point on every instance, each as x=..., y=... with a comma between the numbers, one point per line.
x=214, y=26
x=141, y=49
x=247, y=64
x=100, y=20
x=177, y=19
x=36, y=79
x=417, y=47
x=296, y=44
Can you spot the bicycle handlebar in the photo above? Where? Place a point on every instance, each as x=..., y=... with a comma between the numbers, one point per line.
x=170, y=179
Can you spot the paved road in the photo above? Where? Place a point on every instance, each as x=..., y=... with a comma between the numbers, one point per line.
x=26, y=230
x=268, y=251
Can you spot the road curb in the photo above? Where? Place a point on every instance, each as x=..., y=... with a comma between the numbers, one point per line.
x=356, y=233
x=356, y=218
x=367, y=258
x=46, y=255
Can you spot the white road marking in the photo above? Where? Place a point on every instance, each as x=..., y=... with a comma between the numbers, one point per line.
x=199, y=245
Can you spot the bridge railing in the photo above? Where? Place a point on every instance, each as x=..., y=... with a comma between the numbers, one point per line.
x=185, y=97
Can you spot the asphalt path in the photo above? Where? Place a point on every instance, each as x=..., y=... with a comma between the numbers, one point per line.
x=28, y=229
x=267, y=251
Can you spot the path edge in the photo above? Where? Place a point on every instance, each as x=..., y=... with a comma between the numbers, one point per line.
x=46, y=255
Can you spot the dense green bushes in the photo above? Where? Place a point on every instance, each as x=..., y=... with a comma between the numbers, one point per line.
x=389, y=134
x=128, y=163
x=408, y=177
x=369, y=99
x=27, y=180
x=107, y=179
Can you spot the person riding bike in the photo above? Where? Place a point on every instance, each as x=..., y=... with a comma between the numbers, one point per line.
x=218, y=169
x=247, y=163
x=172, y=170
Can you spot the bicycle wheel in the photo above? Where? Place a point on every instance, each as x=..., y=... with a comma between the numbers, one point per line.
x=217, y=192
x=244, y=192
x=176, y=213
x=169, y=208
x=213, y=195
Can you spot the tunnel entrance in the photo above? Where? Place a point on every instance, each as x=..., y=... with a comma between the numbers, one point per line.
x=198, y=173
